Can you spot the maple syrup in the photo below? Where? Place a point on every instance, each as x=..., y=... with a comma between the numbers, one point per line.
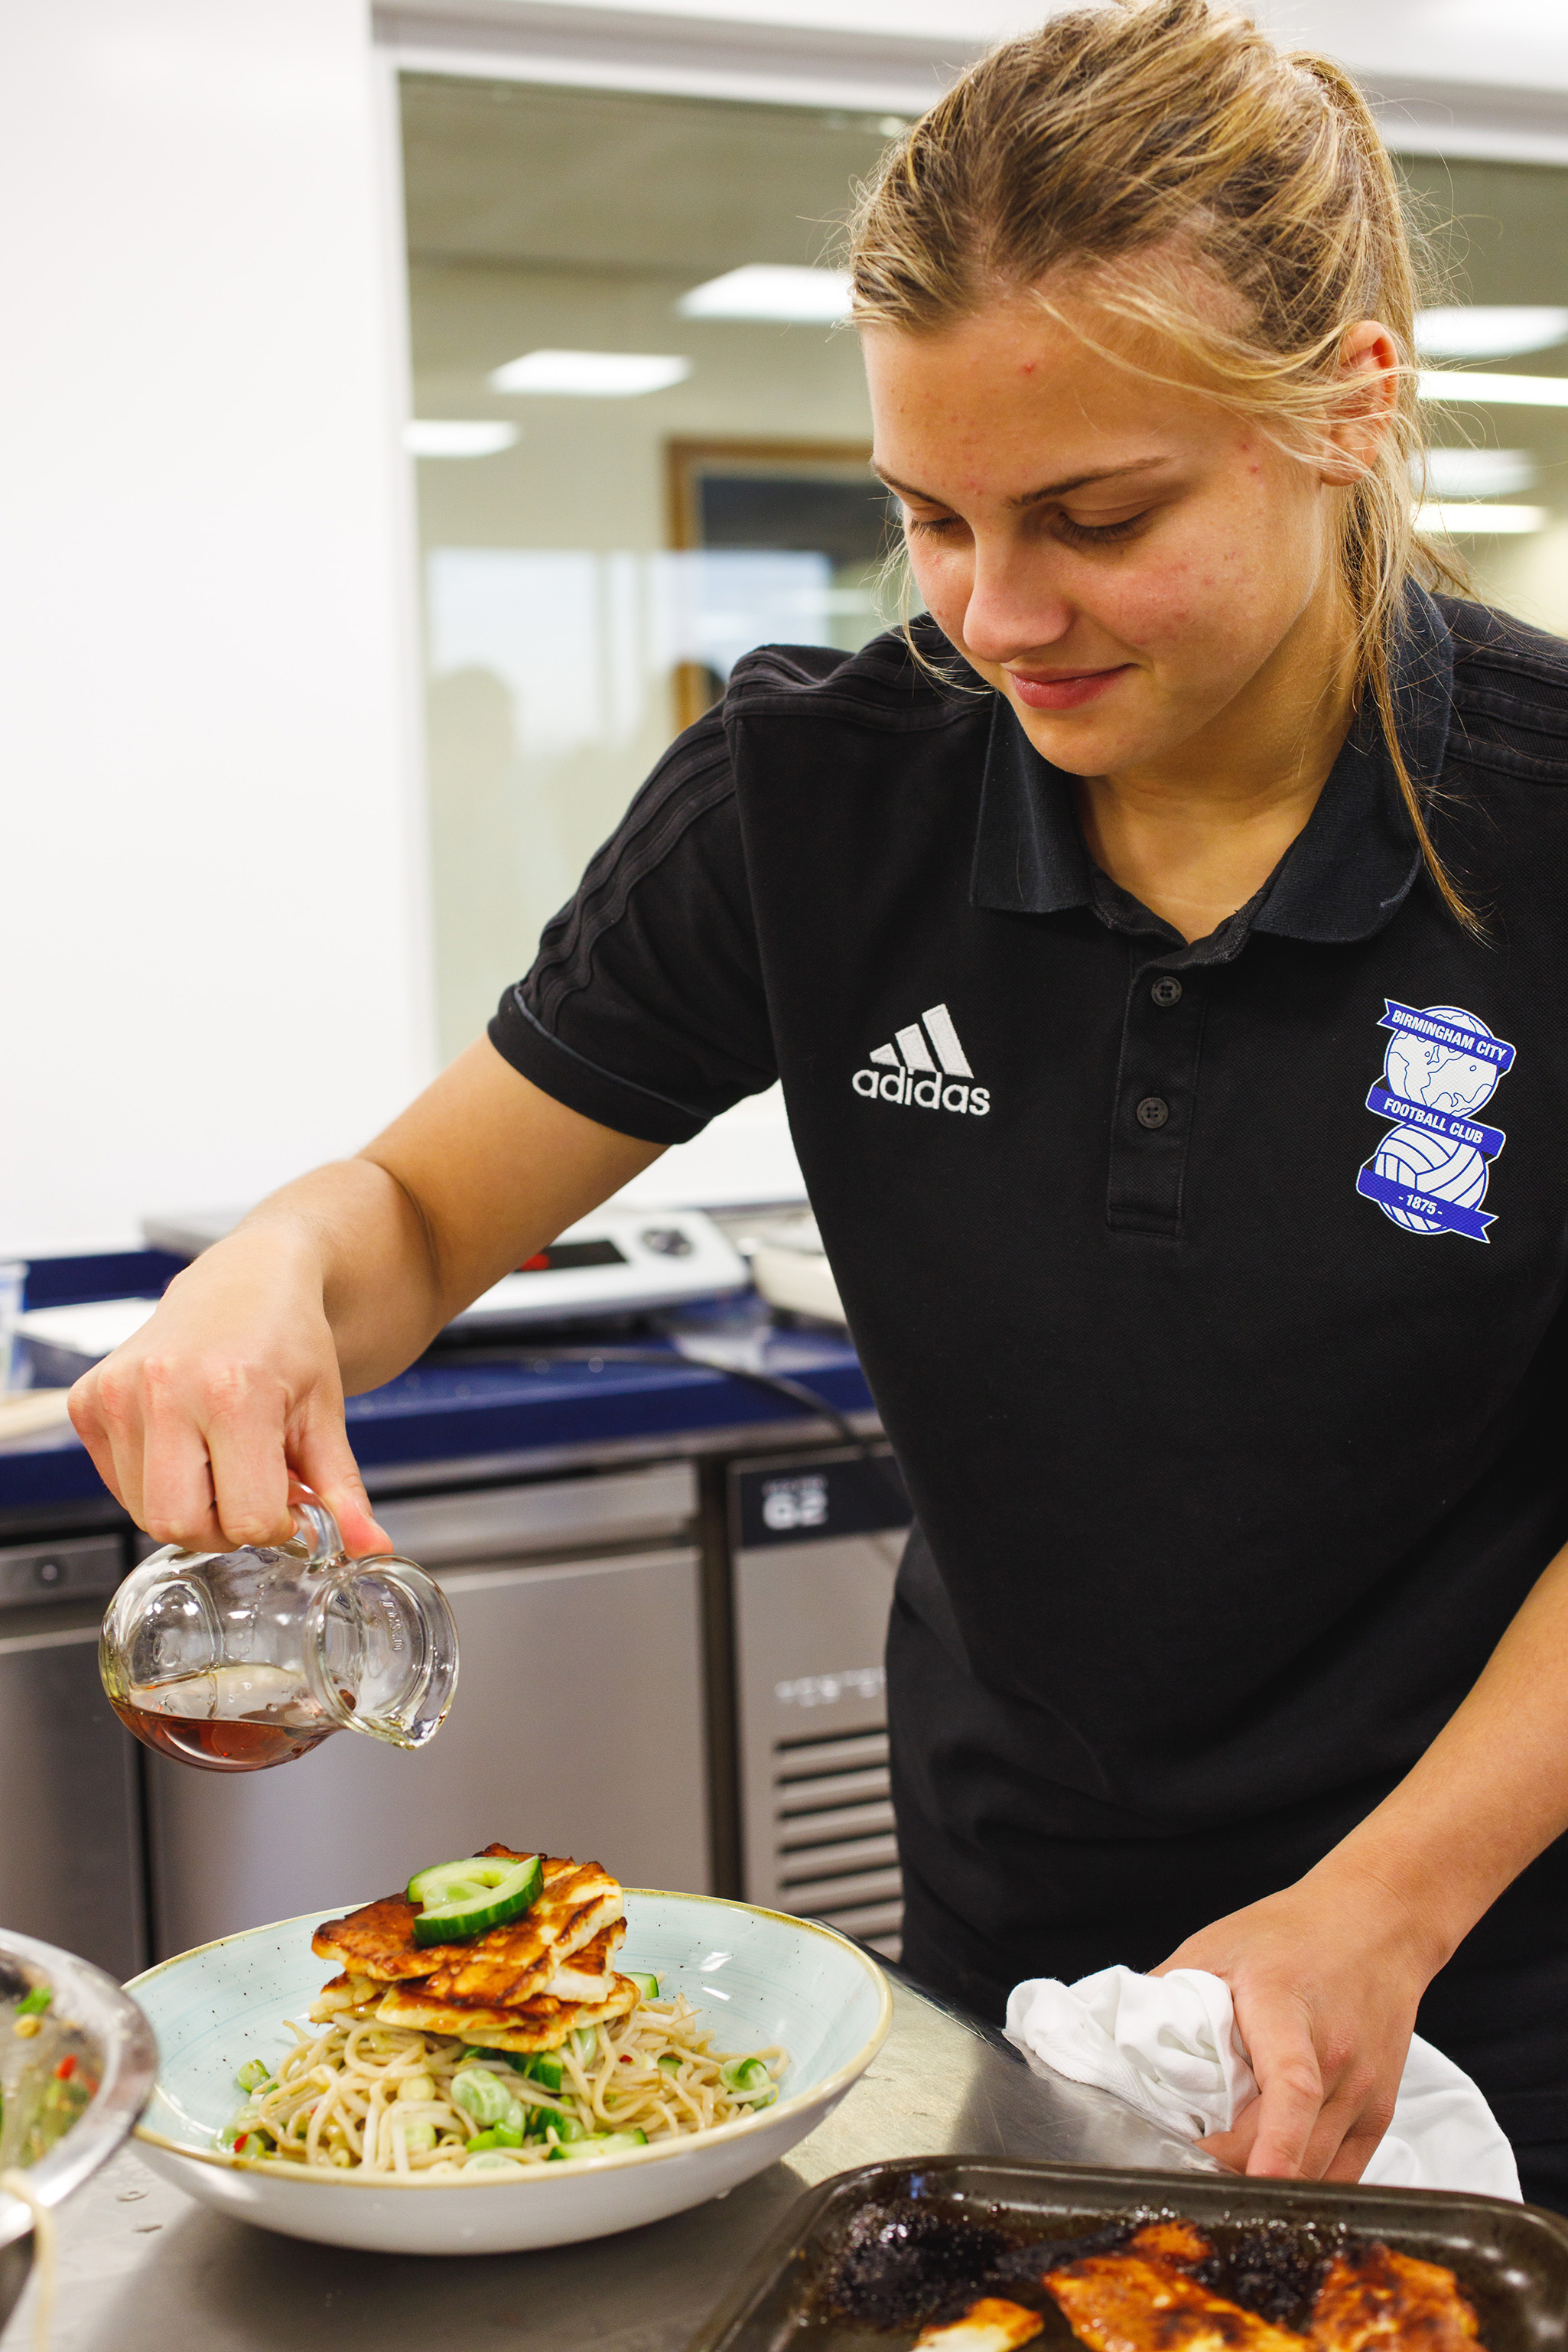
x=233, y=1719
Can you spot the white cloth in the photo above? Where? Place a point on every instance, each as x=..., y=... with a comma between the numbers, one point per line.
x=1168, y=2046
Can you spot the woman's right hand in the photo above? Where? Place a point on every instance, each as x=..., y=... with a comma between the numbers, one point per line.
x=197, y=1423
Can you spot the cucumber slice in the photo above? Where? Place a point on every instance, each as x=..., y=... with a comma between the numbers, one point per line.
x=491, y=2159
x=647, y=1986
x=601, y=2143
x=465, y=1899
x=546, y=2071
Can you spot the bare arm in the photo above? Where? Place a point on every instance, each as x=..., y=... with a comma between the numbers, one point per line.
x=333, y=1285
x=1328, y=1974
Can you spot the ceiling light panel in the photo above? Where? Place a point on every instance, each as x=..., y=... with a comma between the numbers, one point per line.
x=1483, y=330
x=1489, y=390
x=766, y=290
x=459, y=437
x=592, y=375
x=1476, y=473
x=1473, y=520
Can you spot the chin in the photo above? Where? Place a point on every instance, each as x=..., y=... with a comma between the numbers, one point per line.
x=1088, y=746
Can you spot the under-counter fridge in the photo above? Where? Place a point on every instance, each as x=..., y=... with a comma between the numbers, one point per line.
x=578, y=1725
x=70, y=1812
x=815, y=1542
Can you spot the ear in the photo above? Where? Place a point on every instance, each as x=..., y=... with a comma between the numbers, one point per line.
x=1369, y=379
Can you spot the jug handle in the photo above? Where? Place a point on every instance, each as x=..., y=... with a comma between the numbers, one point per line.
x=314, y=1524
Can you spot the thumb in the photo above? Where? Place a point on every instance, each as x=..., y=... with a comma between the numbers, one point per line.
x=323, y=1458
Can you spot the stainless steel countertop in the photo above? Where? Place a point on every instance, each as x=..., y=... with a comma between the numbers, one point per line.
x=143, y=2268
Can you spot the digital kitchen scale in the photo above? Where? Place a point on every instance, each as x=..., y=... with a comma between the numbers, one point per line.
x=616, y=1262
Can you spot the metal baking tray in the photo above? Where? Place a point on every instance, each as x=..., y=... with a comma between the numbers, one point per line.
x=829, y=2282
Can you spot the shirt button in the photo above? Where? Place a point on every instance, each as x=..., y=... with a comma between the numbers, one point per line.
x=1167, y=990
x=1154, y=1111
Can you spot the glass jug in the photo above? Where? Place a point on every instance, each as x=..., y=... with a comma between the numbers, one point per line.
x=235, y=1660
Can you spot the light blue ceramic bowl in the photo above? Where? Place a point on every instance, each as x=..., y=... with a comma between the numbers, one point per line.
x=756, y=1976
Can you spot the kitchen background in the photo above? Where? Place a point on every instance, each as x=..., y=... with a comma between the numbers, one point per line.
x=409, y=420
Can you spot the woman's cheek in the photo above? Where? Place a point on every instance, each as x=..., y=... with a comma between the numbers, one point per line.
x=944, y=581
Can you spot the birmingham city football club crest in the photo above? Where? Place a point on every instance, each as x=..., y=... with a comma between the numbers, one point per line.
x=1429, y=1171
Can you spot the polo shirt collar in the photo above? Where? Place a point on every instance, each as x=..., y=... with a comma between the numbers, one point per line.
x=1346, y=874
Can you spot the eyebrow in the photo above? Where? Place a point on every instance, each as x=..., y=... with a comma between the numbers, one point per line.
x=1030, y=498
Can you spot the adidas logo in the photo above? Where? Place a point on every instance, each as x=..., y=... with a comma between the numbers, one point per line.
x=926, y=1066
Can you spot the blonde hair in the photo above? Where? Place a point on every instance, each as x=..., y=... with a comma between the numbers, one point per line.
x=1080, y=151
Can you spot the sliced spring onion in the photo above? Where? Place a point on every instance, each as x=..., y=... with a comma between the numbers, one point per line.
x=749, y=2079
x=419, y=2137
x=499, y=2136
x=669, y=2060
x=465, y=1899
x=33, y=2003
x=491, y=2159
x=647, y=1986
x=255, y=2074
x=585, y=2044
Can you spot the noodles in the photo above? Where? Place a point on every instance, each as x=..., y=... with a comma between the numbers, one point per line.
x=16, y=2184
x=355, y=2095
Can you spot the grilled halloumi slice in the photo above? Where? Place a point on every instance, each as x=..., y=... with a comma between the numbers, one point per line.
x=539, y=2024
x=341, y=1995
x=991, y=2325
x=1377, y=2301
x=589, y=1974
x=375, y=1940
x=1138, y=2301
x=575, y=1901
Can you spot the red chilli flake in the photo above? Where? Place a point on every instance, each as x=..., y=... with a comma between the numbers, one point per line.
x=241, y=2142
x=65, y=2070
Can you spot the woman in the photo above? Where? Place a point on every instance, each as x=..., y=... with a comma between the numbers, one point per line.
x=1148, y=945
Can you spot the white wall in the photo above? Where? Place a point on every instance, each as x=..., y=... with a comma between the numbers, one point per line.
x=212, y=953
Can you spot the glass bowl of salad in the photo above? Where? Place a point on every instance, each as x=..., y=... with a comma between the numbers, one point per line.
x=78, y=2062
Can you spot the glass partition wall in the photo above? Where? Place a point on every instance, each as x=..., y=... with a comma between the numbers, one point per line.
x=641, y=438
x=670, y=461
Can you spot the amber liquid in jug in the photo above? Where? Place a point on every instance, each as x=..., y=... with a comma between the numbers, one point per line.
x=226, y=1721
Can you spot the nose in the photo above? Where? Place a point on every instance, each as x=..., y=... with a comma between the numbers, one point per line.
x=1014, y=606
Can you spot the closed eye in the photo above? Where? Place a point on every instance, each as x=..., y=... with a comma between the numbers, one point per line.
x=1080, y=534
x=1101, y=534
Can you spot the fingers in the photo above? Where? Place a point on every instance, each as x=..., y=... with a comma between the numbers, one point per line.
x=85, y=1407
x=1278, y=2038
x=324, y=1460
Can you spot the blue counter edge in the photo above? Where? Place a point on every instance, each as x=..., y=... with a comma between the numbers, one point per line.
x=444, y=1412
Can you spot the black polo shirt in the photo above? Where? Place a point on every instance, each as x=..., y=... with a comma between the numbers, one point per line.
x=1210, y=1293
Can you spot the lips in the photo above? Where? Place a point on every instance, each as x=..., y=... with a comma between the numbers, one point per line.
x=1069, y=690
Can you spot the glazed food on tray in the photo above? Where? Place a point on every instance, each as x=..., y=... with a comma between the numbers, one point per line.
x=1150, y=2295
x=479, y=2024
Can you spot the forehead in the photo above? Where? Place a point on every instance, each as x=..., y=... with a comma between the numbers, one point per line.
x=1014, y=389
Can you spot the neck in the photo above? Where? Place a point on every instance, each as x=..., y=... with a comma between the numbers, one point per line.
x=1195, y=833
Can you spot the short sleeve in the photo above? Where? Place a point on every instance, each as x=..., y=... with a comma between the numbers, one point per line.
x=645, y=1008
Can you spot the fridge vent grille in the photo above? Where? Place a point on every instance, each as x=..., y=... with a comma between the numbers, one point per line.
x=834, y=1854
